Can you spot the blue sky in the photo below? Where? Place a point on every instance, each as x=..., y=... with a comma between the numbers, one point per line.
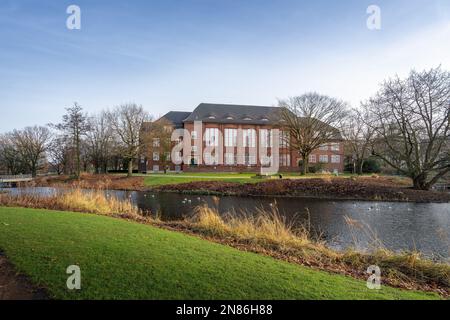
x=173, y=55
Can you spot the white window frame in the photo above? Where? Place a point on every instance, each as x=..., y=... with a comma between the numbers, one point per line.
x=178, y=157
x=335, y=147
x=335, y=158
x=194, y=135
x=250, y=159
x=266, y=160
x=284, y=139
x=212, y=137
x=324, y=147
x=265, y=137
x=249, y=138
x=285, y=160
x=312, y=158
x=230, y=159
x=230, y=137
x=155, y=156
x=323, y=158
x=156, y=142
x=195, y=161
x=209, y=159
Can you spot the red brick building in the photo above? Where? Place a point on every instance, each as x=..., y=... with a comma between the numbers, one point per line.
x=237, y=138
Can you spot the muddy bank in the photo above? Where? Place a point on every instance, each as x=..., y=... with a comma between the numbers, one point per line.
x=14, y=286
x=378, y=189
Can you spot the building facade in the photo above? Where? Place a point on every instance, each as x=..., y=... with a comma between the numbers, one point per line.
x=235, y=138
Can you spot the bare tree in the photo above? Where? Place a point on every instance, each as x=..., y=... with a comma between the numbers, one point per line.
x=60, y=154
x=312, y=120
x=411, y=120
x=99, y=142
x=9, y=156
x=31, y=143
x=74, y=126
x=358, y=138
x=126, y=122
x=156, y=137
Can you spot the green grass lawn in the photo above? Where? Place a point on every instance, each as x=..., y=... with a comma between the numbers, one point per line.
x=126, y=260
x=155, y=179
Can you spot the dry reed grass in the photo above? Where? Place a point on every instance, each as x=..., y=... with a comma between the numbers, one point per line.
x=94, y=201
x=268, y=232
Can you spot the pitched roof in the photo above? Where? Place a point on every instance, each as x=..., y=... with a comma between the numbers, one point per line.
x=236, y=114
x=176, y=117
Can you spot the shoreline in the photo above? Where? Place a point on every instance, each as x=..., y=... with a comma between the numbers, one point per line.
x=331, y=265
x=315, y=256
x=321, y=189
x=384, y=189
x=327, y=198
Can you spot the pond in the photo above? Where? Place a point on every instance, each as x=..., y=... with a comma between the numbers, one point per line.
x=424, y=227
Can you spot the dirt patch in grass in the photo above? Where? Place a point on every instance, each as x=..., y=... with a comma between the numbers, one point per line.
x=14, y=286
x=92, y=181
x=364, y=188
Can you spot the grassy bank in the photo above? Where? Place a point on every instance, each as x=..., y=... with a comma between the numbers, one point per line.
x=355, y=188
x=268, y=233
x=349, y=187
x=126, y=260
x=152, y=180
x=265, y=233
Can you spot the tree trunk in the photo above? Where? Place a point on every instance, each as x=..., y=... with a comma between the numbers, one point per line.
x=360, y=167
x=420, y=182
x=305, y=159
x=130, y=168
x=78, y=161
x=34, y=172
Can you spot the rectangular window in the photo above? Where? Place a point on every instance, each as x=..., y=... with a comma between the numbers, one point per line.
x=335, y=147
x=178, y=157
x=265, y=138
x=194, y=149
x=156, y=142
x=250, y=160
x=249, y=136
x=194, y=135
x=212, y=137
x=266, y=160
x=230, y=159
x=323, y=147
x=312, y=158
x=285, y=160
x=210, y=159
x=194, y=161
x=335, y=159
x=230, y=137
x=284, y=139
x=155, y=156
x=167, y=155
x=323, y=159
